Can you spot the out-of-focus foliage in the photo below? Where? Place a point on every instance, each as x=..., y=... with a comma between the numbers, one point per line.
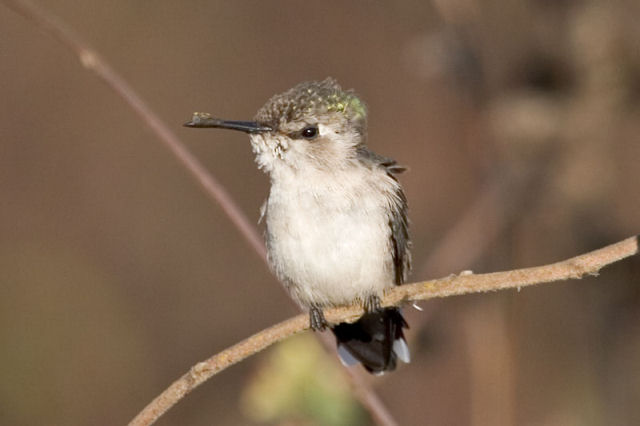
x=298, y=382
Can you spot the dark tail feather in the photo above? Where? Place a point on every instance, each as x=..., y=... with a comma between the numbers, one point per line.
x=375, y=340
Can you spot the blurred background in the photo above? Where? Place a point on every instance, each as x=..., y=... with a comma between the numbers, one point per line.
x=519, y=120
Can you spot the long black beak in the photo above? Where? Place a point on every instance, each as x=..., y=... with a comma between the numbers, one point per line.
x=204, y=120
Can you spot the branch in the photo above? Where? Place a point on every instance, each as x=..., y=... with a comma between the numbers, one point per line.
x=574, y=268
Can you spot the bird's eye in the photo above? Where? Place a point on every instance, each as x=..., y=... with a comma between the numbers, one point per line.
x=309, y=132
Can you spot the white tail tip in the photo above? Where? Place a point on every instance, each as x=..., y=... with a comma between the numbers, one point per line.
x=345, y=357
x=402, y=350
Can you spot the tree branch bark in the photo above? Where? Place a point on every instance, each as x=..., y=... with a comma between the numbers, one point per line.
x=574, y=268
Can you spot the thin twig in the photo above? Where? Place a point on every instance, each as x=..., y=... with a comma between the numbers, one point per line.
x=371, y=400
x=91, y=60
x=361, y=386
x=574, y=268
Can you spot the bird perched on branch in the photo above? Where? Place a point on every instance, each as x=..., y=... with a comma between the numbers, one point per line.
x=336, y=216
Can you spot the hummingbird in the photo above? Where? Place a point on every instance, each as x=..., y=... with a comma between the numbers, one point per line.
x=336, y=215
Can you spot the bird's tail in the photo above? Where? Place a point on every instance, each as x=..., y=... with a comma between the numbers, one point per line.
x=375, y=340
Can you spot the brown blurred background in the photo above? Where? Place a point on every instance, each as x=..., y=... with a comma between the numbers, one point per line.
x=519, y=120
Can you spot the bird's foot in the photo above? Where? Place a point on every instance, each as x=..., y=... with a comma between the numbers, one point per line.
x=371, y=303
x=317, y=320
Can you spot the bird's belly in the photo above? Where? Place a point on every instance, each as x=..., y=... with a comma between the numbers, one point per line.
x=330, y=257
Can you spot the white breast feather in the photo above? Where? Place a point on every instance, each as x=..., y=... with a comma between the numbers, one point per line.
x=333, y=236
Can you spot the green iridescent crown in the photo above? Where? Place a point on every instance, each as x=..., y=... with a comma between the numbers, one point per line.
x=312, y=99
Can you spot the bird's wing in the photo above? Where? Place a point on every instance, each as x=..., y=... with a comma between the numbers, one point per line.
x=398, y=219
